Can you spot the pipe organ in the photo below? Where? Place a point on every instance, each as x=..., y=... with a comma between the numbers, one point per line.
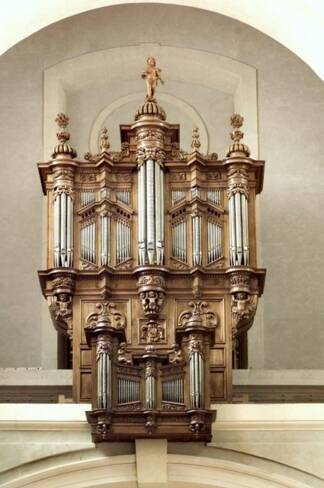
x=152, y=273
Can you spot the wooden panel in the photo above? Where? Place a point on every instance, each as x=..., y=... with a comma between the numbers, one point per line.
x=217, y=385
x=86, y=387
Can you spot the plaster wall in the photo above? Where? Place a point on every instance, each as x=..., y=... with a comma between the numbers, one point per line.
x=290, y=118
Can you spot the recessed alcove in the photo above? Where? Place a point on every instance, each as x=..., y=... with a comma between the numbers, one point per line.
x=105, y=88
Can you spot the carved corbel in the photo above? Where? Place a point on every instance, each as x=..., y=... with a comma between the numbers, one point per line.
x=243, y=311
x=61, y=313
x=241, y=281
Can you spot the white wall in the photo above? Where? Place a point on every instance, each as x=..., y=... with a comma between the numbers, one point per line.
x=291, y=122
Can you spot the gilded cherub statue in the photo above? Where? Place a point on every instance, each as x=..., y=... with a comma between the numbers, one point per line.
x=152, y=75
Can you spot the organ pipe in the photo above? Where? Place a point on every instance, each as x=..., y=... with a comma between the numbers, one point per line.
x=128, y=390
x=123, y=242
x=150, y=213
x=196, y=377
x=88, y=242
x=172, y=390
x=179, y=241
x=239, y=231
x=63, y=230
x=196, y=240
x=105, y=239
x=214, y=241
x=150, y=210
x=104, y=380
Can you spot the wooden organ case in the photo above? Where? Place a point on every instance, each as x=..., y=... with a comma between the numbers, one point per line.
x=152, y=273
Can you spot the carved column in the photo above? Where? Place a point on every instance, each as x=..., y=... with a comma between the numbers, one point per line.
x=150, y=357
x=105, y=330
x=196, y=326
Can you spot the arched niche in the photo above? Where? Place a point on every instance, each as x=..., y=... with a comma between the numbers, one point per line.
x=202, y=89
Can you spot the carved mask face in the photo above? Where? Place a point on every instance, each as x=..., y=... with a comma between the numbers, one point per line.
x=151, y=62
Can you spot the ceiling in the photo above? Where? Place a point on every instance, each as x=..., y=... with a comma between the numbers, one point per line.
x=297, y=24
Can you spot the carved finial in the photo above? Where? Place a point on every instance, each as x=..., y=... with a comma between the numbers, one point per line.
x=152, y=75
x=62, y=121
x=237, y=148
x=195, y=143
x=104, y=140
x=237, y=122
x=63, y=136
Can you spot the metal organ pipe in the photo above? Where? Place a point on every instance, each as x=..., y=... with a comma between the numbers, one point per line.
x=245, y=223
x=63, y=229
x=141, y=215
x=57, y=228
x=88, y=242
x=239, y=229
x=150, y=213
x=158, y=221
x=104, y=380
x=150, y=210
x=196, y=240
x=196, y=377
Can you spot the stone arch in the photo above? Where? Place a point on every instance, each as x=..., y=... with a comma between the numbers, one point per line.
x=88, y=469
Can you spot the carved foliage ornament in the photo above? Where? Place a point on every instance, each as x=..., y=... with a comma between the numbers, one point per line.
x=145, y=153
x=107, y=315
x=195, y=344
x=151, y=280
x=104, y=346
x=238, y=182
x=240, y=279
x=199, y=315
